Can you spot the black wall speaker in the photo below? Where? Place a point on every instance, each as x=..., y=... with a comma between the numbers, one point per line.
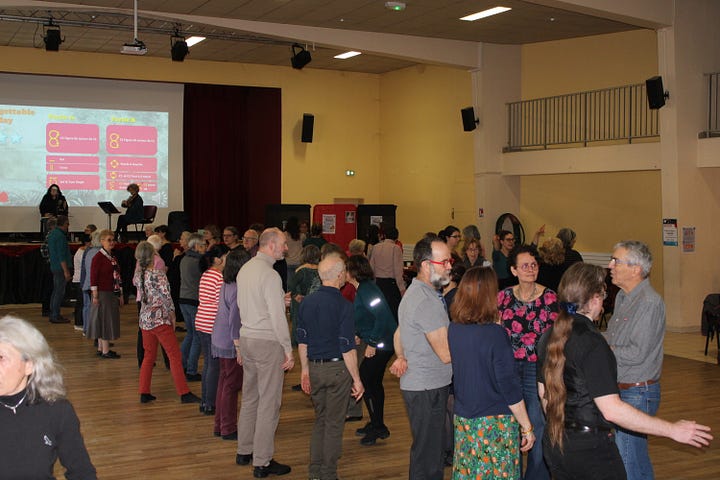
x=655, y=92
x=468, y=119
x=307, y=127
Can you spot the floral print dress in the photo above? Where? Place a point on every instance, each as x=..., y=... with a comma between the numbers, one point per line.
x=525, y=322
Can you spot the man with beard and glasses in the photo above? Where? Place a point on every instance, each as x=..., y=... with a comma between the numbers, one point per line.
x=425, y=373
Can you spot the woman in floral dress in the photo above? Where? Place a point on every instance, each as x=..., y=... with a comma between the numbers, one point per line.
x=527, y=310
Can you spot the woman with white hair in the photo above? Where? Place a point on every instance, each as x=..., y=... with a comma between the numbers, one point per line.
x=39, y=425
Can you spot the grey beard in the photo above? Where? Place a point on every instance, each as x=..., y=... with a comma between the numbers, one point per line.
x=438, y=281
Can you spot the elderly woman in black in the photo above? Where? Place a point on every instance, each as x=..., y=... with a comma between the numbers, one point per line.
x=38, y=424
x=577, y=383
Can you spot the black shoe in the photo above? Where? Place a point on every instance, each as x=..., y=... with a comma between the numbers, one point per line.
x=60, y=319
x=189, y=398
x=361, y=432
x=353, y=418
x=99, y=353
x=216, y=434
x=272, y=468
x=296, y=388
x=241, y=459
x=209, y=411
x=146, y=397
x=230, y=436
x=371, y=437
x=110, y=354
x=193, y=377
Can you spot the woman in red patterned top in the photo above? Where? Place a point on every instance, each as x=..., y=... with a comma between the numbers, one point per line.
x=527, y=310
x=106, y=292
x=209, y=300
x=157, y=324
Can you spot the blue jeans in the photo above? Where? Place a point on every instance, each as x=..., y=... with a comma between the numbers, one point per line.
x=536, y=468
x=211, y=371
x=58, y=293
x=87, y=303
x=633, y=446
x=190, y=347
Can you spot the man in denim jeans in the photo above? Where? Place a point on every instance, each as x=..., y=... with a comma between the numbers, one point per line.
x=635, y=333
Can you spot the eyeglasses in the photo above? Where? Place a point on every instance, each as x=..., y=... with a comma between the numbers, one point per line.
x=455, y=236
x=618, y=261
x=508, y=239
x=528, y=266
x=248, y=238
x=447, y=263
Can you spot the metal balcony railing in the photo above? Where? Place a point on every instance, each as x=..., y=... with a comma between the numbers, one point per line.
x=580, y=119
x=713, y=119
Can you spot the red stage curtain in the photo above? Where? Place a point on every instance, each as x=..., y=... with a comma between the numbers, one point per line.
x=232, y=156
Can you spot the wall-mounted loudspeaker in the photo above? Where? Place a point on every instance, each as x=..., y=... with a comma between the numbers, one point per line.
x=307, y=127
x=468, y=119
x=655, y=94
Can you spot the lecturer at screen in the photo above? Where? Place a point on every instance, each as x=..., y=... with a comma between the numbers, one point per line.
x=134, y=213
x=53, y=203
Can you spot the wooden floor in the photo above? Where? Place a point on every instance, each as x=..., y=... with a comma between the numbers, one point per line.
x=165, y=439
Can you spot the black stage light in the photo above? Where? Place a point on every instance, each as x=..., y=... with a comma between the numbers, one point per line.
x=52, y=38
x=300, y=58
x=178, y=49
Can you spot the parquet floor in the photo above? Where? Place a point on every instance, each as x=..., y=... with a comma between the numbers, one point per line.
x=165, y=439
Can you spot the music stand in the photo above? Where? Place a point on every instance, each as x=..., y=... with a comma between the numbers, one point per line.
x=109, y=209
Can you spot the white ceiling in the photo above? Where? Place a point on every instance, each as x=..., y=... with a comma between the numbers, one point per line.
x=105, y=25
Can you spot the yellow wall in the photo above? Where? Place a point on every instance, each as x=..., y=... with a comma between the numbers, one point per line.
x=583, y=202
x=426, y=157
x=602, y=208
x=588, y=63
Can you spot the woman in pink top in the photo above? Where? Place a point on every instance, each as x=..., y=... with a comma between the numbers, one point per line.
x=209, y=298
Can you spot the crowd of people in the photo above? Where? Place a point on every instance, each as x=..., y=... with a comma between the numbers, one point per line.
x=495, y=359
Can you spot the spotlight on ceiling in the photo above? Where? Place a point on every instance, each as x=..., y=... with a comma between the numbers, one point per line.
x=178, y=48
x=301, y=57
x=52, y=37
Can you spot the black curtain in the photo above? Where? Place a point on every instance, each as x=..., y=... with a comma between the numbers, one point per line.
x=232, y=155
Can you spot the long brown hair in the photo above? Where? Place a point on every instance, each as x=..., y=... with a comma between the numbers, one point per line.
x=476, y=298
x=579, y=284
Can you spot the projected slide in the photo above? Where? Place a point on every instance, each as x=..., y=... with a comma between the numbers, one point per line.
x=91, y=154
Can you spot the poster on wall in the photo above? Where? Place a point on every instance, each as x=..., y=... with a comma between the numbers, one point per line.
x=328, y=222
x=670, y=232
x=349, y=216
x=688, y=239
x=376, y=220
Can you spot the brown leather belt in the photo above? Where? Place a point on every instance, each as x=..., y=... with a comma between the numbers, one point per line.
x=625, y=386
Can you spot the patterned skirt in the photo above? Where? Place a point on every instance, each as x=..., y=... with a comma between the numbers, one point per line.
x=486, y=448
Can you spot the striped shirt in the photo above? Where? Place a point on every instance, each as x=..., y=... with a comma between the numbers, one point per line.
x=209, y=297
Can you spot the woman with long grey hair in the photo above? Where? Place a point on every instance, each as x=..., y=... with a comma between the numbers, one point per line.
x=39, y=425
x=157, y=322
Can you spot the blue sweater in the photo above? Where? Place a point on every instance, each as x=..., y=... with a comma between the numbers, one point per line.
x=485, y=382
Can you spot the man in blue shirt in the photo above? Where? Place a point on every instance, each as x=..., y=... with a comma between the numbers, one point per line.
x=60, y=261
x=326, y=345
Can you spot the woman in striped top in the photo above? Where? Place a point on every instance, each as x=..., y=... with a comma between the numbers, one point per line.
x=209, y=298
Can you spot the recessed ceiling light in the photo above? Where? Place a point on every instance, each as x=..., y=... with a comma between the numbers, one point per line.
x=194, y=40
x=485, y=13
x=349, y=54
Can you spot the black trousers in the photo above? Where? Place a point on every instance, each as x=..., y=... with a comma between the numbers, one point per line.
x=426, y=411
x=391, y=292
x=372, y=371
x=591, y=456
